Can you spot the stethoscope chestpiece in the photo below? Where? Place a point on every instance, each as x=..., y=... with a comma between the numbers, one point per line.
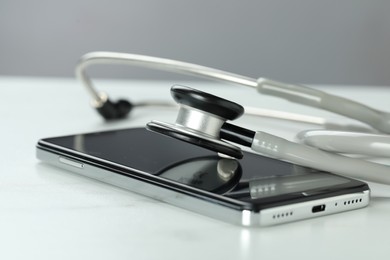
x=200, y=119
x=206, y=102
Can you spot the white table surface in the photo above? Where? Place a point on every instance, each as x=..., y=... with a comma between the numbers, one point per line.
x=49, y=213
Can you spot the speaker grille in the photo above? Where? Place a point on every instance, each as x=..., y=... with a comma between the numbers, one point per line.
x=283, y=215
x=350, y=202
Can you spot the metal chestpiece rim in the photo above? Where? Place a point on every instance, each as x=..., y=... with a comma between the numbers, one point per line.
x=196, y=124
x=194, y=137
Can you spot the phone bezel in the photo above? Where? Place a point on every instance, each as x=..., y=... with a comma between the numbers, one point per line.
x=255, y=205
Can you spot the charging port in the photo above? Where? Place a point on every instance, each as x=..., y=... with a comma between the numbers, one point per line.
x=318, y=208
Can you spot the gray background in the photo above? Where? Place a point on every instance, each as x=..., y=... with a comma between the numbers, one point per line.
x=317, y=42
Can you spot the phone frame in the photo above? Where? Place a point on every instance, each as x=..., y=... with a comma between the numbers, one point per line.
x=206, y=203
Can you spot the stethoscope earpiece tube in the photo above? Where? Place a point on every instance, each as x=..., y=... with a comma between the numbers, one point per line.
x=346, y=142
x=295, y=93
x=315, y=98
x=202, y=117
x=277, y=147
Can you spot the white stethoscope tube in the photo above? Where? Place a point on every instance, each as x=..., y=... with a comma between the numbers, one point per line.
x=280, y=148
x=295, y=93
x=274, y=146
x=347, y=142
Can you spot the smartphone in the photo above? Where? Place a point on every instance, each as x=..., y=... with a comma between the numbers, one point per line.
x=253, y=191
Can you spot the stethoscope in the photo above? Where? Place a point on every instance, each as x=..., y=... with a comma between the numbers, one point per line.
x=202, y=119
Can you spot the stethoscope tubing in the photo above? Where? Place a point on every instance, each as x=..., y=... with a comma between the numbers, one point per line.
x=295, y=93
x=273, y=146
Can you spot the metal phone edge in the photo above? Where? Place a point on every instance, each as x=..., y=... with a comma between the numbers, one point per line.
x=266, y=217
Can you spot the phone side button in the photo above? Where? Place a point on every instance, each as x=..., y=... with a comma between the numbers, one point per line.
x=70, y=162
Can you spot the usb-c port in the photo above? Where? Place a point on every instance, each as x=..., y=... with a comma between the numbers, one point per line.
x=318, y=208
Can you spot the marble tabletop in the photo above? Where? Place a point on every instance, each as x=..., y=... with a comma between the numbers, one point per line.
x=49, y=213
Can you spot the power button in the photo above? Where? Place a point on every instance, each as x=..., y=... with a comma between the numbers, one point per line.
x=70, y=162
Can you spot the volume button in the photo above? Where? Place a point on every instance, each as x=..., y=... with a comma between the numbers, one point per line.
x=70, y=162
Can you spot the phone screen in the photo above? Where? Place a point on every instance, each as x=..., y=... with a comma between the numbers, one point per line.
x=253, y=178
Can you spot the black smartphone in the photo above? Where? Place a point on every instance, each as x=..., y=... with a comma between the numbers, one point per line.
x=253, y=191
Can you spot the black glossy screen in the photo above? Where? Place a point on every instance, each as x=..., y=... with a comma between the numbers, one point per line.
x=253, y=177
